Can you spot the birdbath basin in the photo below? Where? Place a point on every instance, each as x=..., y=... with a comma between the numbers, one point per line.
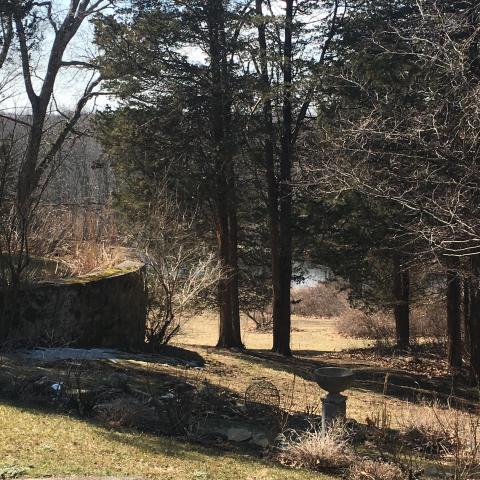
x=334, y=405
x=334, y=379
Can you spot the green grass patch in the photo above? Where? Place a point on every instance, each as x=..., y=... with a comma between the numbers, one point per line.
x=42, y=444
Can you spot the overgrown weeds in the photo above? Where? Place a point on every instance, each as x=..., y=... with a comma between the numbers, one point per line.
x=444, y=432
x=441, y=433
x=368, y=469
x=317, y=451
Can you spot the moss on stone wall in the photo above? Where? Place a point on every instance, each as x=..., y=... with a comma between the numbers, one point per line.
x=104, y=309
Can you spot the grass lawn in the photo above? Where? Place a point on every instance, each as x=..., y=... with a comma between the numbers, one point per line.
x=308, y=333
x=48, y=444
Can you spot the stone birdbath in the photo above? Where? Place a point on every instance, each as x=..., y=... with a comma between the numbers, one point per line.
x=334, y=380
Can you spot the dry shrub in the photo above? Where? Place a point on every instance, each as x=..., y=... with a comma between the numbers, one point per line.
x=441, y=432
x=446, y=432
x=322, y=300
x=374, y=470
x=431, y=428
x=427, y=322
x=86, y=257
x=376, y=326
x=182, y=272
x=125, y=412
x=315, y=451
x=77, y=237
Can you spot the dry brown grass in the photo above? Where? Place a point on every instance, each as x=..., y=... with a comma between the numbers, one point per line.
x=308, y=333
x=442, y=430
x=430, y=429
x=317, y=451
x=85, y=257
x=79, y=237
x=374, y=470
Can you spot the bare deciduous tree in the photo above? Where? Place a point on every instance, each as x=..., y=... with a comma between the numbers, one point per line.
x=46, y=128
x=182, y=271
x=407, y=133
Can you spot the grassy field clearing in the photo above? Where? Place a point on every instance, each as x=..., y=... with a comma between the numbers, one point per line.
x=308, y=333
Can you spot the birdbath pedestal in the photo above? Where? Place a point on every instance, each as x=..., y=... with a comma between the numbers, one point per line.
x=334, y=405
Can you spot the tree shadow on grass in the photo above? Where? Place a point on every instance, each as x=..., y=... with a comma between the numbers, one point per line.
x=143, y=446
x=20, y=384
x=393, y=382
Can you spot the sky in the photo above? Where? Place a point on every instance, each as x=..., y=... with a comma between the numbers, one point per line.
x=71, y=82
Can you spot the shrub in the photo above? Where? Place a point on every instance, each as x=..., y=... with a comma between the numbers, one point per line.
x=322, y=300
x=375, y=326
x=434, y=429
x=78, y=238
x=431, y=428
x=125, y=412
x=315, y=451
x=427, y=322
x=374, y=470
x=183, y=272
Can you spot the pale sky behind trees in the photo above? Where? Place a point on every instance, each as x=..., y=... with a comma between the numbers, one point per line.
x=71, y=81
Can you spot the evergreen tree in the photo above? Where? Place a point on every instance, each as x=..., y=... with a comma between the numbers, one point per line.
x=177, y=118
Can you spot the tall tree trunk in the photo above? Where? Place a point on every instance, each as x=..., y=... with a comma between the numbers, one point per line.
x=282, y=322
x=401, y=295
x=226, y=334
x=269, y=162
x=454, y=314
x=474, y=317
x=226, y=222
x=6, y=24
x=466, y=312
x=234, y=286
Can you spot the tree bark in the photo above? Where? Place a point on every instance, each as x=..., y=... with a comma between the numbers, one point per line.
x=226, y=337
x=270, y=170
x=401, y=295
x=454, y=315
x=282, y=322
x=226, y=222
x=234, y=286
x=6, y=24
x=474, y=317
x=466, y=312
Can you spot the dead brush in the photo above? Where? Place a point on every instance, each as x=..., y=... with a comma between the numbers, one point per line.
x=322, y=300
x=315, y=451
x=374, y=470
x=86, y=257
x=432, y=429
x=428, y=325
x=446, y=432
x=380, y=418
x=125, y=412
x=78, y=237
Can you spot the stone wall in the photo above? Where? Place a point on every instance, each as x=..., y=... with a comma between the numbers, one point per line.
x=106, y=309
